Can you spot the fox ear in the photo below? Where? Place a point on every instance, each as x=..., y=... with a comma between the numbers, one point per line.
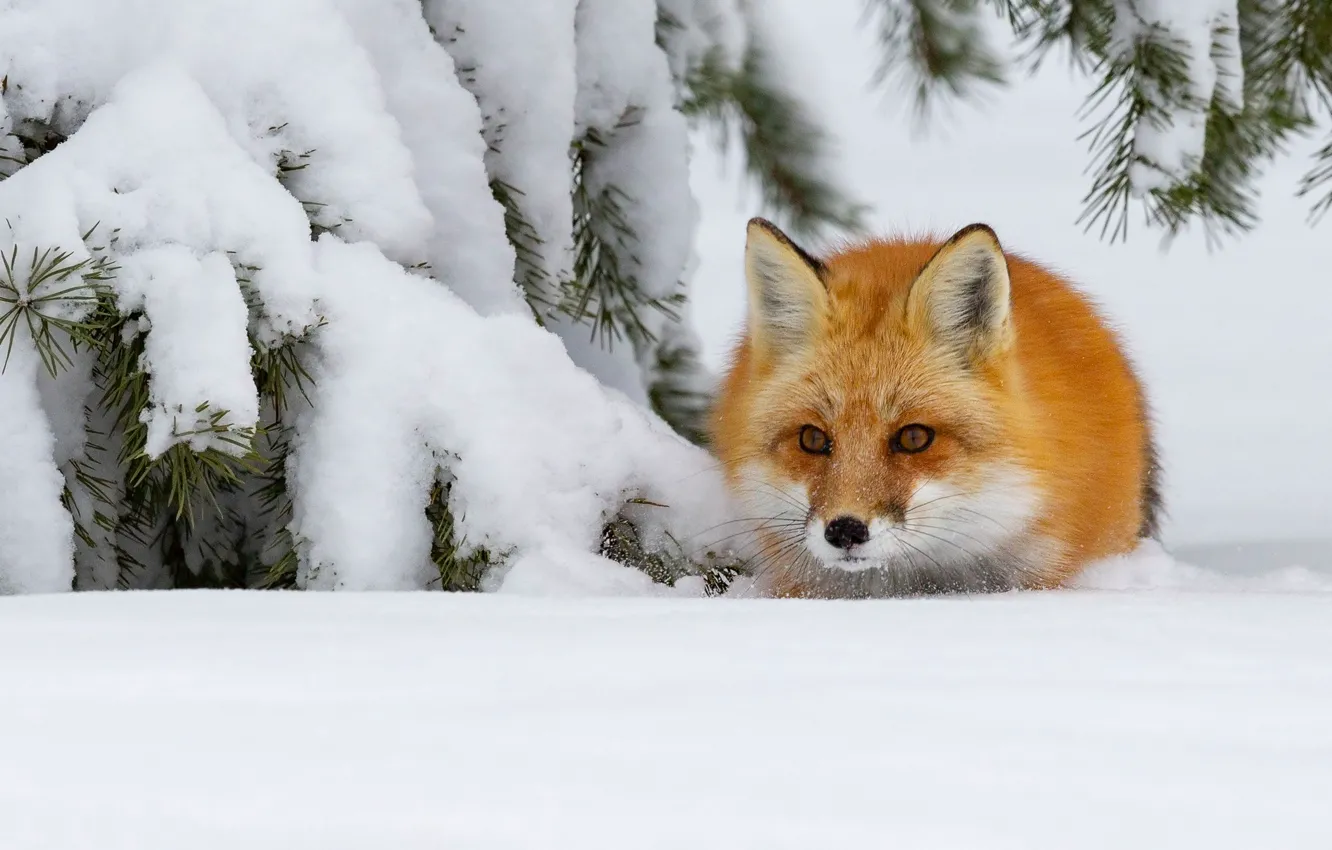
x=962, y=295
x=788, y=301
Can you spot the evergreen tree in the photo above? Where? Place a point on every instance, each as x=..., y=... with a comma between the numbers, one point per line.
x=576, y=118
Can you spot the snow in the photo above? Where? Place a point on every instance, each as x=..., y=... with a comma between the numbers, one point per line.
x=629, y=101
x=36, y=533
x=441, y=125
x=1088, y=719
x=202, y=156
x=273, y=94
x=1152, y=567
x=543, y=455
x=637, y=162
x=1168, y=141
x=172, y=205
x=402, y=122
x=590, y=73
x=518, y=59
x=199, y=168
x=1166, y=700
x=571, y=574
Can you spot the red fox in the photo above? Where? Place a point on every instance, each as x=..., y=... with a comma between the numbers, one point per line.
x=909, y=416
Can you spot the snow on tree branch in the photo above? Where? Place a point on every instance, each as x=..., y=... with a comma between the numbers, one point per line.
x=36, y=532
x=305, y=358
x=519, y=64
x=785, y=152
x=1186, y=57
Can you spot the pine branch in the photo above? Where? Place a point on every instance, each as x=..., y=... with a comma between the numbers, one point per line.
x=460, y=567
x=181, y=485
x=289, y=171
x=1310, y=41
x=27, y=141
x=277, y=370
x=185, y=507
x=675, y=393
x=1080, y=26
x=98, y=489
x=605, y=290
x=784, y=150
x=1319, y=176
x=932, y=46
x=1223, y=193
x=622, y=543
x=1286, y=54
x=1154, y=61
x=535, y=281
x=275, y=506
x=45, y=298
x=540, y=290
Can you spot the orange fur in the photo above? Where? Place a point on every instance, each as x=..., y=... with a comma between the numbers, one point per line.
x=1047, y=395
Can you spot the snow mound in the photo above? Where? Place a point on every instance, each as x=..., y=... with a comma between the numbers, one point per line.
x=542, y=455
x=1150, y=567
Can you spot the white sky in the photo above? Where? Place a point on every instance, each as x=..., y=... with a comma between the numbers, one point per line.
x=1234, y=344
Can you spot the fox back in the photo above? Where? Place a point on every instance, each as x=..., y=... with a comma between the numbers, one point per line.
x=916, y=416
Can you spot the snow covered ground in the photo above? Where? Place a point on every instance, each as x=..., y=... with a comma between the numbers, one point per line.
x=1087, y=719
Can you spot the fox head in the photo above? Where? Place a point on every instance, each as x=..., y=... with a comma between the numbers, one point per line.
x=868, y=419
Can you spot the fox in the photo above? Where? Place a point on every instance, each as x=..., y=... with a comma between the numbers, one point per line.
x=911, y=416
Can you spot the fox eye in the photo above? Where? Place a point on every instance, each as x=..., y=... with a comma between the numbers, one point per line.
x=913, y=438
x=814, y=440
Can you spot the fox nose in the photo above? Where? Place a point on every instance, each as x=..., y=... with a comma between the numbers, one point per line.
x=845, y=532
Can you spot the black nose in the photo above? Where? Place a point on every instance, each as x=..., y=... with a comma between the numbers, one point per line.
x=845, y=532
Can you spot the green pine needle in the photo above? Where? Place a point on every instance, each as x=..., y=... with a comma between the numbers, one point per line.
x=674, y=394
x=1286, y=53
x=621, y=542
x=605, y=291
x=785, y=152
x=932, y=46
x=529, y=272
x=38, y=297
x=460, y=567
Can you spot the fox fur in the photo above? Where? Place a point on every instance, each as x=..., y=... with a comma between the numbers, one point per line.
x=1038, y=456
